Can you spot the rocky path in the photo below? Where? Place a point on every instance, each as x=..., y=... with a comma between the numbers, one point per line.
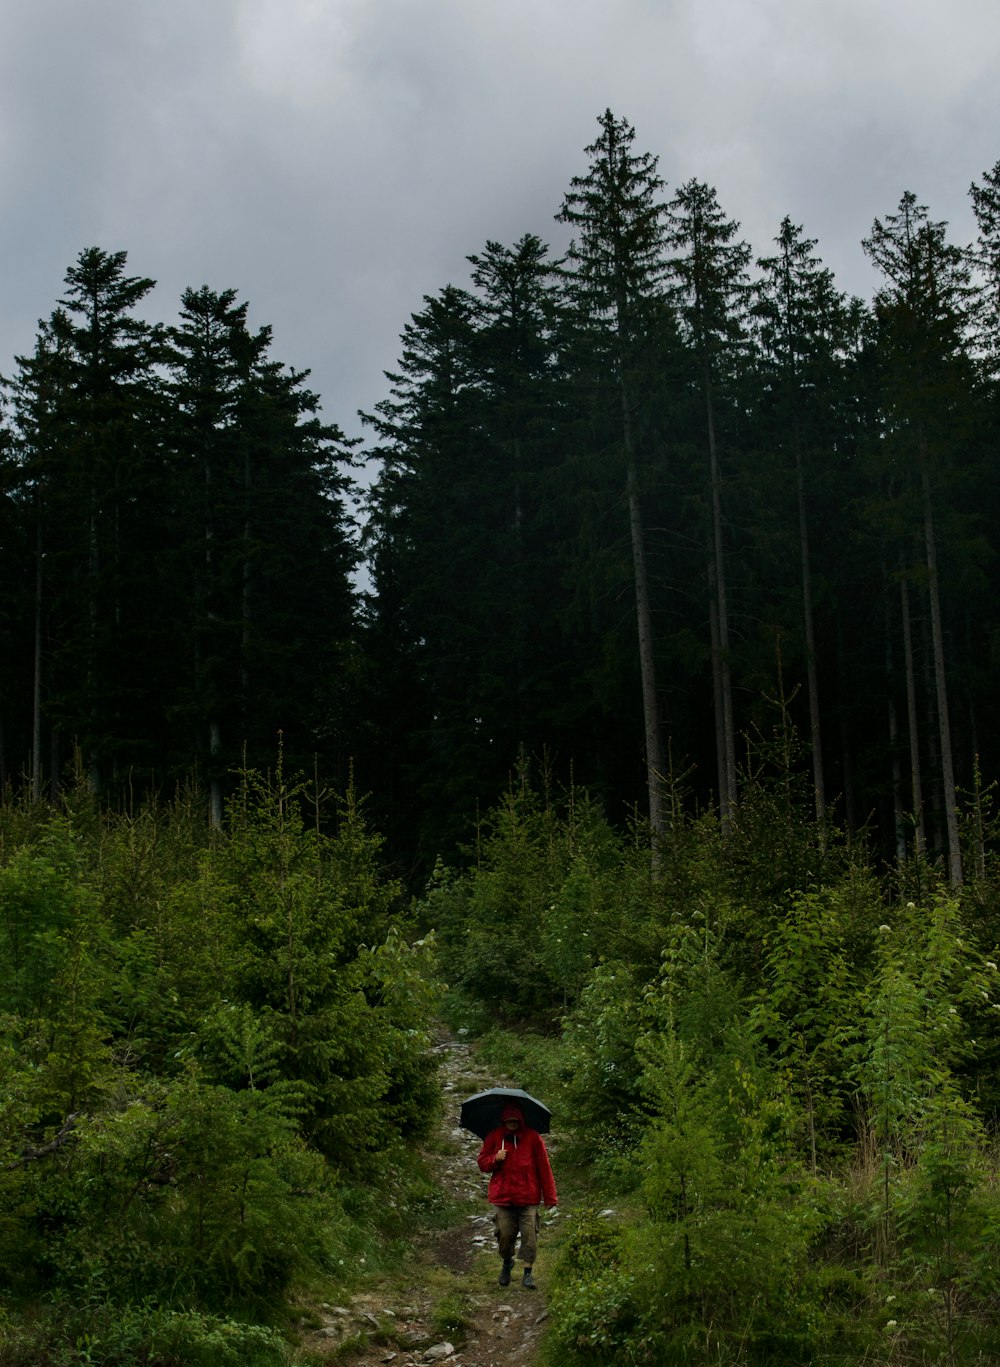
x=447, y=1307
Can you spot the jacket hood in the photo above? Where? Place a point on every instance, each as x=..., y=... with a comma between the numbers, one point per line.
x=511, y=1112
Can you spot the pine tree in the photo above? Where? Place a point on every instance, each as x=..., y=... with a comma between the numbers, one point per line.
x=263, y=536
x=710, y=280
x=437, y=544
x=177, y=548
x=212, y=358
x=513, y=358
x=986, y=257
x=614, y=285
x=34, y=440
x=296, y=554
x=801, y=327
x=87, y=406
x=923, y=316
x=14, y=595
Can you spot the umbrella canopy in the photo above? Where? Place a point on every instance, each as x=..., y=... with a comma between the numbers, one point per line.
x=481, y=1113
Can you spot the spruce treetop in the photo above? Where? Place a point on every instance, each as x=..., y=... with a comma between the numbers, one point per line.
x=709, y=269
x=616, y=261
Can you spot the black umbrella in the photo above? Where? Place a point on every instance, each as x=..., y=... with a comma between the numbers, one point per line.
x=481, y=1113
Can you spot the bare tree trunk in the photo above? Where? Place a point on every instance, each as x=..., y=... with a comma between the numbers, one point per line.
x=940, y=688
x=913, y=725
x=55, y=769
x=215, y=782
x=812, y=680
x=896, y=771
x=727, y=798
x=846, y=746
x=209, y=686
x=718, y=711
x=245, y=607
x=644, y=621
x=898, y=821
x=36, y=692
x=93, y=569
x=520, y=651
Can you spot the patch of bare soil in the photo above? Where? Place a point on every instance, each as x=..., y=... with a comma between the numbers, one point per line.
x=451, y=1309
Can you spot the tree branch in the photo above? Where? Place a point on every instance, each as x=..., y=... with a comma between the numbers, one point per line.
x=30, y=1155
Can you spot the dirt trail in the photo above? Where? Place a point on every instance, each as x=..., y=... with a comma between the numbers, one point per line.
x=448, y=1308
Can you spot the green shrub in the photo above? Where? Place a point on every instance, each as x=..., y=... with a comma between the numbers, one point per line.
x=103, y=1335
x=191, y=1194
x=594, y=1304
x=597, y=1319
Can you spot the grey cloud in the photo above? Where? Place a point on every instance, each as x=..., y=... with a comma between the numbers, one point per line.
x=336, y=162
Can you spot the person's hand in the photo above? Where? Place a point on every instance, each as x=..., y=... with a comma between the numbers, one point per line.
x=500, y=1155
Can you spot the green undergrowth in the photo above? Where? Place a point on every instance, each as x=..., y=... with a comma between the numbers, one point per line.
x=773, y=1071
x=215, y=1074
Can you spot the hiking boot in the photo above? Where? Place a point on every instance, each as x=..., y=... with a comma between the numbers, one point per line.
x=508, y=1263
x=528, y=1281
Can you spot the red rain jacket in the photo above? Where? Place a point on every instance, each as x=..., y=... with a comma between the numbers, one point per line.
x=524, y=1178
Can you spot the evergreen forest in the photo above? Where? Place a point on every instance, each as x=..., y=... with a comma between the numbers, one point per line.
x=623, y=699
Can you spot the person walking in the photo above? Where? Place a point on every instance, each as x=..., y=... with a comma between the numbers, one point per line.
x=521, y=1180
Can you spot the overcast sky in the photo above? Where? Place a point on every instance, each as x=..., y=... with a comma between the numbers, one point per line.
x=336, y=160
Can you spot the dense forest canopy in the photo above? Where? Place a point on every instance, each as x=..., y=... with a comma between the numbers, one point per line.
x=623, y=501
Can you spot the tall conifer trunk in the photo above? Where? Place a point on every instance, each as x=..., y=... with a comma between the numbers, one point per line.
x=809, y=629
x=210, y=591
x=912, y=722
x=644, y=623
x=721, y=669
x=36, y=690
x=941, y=687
